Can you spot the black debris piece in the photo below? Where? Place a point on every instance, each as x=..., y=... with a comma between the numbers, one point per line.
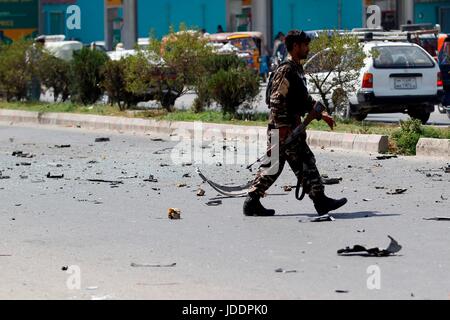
x=102, y=140
x=151, y=178
x=437, y=219
x=342, y=291
x=65, y=268
x=281, y=270
x=397, y=191
x=63, y=146
x=393, y=248
x=386, y=157
x=21, y=154
x=55, y=176
x=157, y=139
x=105, y=181
x=186, y=175
x=138, y=265
x=2, y=177
x=447, y=169
x=330, y=181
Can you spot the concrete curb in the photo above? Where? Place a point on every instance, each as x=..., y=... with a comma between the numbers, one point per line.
x=345, y=141
x=439, y=148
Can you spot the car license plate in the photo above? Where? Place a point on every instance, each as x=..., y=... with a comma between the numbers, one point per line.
x=405, y=83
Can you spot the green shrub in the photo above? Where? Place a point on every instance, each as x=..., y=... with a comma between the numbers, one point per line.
x=234, y=87
x=86, y=74
x=114, y=83
x=212, y=64
x=54, y=73
x=17, y=68
x=408, y=136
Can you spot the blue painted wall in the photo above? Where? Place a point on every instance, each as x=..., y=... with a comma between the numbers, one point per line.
x=314, y=14
x=91, y=20
x=160, y=15
x=429, y=13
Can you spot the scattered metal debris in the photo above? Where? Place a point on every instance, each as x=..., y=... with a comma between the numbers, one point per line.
x=287, y=188
x=138, y=265
x=24, y=164
x=105, y=181
x=174, y=214
x=2, y=177
x=281, y=270
x=367, y=200
x=201, y=192
x=21, y=154
x=181, y=185
x=393, y=248
x=151, y=178
x=63, y=146
x=55, y=176
x=342, y=291
x=102, y=140
x=330, y=181
x=397, y=191
x=324, y=218
x=386, y=157
x=361, y=231
x=437, y=219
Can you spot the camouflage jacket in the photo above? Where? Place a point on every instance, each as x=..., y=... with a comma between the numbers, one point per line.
x=289, y=98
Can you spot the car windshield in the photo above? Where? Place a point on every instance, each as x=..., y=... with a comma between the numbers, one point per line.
x=393, y=57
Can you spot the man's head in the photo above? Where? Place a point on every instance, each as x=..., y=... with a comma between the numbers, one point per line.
x=297, y=44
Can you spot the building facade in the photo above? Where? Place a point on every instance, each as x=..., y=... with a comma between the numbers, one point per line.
x=98, y=18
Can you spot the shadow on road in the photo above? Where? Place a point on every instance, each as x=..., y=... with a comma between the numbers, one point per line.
x=343, y=216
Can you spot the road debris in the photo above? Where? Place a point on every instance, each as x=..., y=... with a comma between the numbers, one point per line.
x=342, y=291
x=393, y=248
x=63, y=146
x=386, y=157
x=24, y=164
x=65, y=268
x=287, y=188
x=151, y=178
x=367, y=200
x=330, y=181
x=200, y=192
x=447, y=169
x=2, y=177
x=324, y=218
x=181, y=185
x=102, y=140
x=396, y=191
x=174, y=213
x=105, y=181
x=156, y=139
x=138, y=265
x=437, y=219
x=55, y=176
x=281, y=270
x=21, y=154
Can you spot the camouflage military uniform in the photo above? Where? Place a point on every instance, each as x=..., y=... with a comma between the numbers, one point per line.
x=289, y=101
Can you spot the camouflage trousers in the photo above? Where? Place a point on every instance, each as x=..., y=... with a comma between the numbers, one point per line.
x=302, y=162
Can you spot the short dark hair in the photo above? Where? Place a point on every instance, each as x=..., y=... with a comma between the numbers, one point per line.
x=296, y=36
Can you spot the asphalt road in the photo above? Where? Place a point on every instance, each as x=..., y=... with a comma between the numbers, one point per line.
x=99, y=230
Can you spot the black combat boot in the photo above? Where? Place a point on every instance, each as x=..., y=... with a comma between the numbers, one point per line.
x=254, y=208
x=324, y=205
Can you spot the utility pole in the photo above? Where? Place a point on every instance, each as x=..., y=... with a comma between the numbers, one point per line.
x=339, y=14
x=130, y=33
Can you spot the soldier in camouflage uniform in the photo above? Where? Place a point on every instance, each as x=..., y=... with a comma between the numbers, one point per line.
x=289, y=102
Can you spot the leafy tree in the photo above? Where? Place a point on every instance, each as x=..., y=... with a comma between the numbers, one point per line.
x=86, y=73
x=334, y=69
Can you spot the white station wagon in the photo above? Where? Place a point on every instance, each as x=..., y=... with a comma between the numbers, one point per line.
x=400, y=78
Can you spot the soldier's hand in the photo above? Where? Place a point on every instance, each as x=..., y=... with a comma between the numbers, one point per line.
x=329, y=120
